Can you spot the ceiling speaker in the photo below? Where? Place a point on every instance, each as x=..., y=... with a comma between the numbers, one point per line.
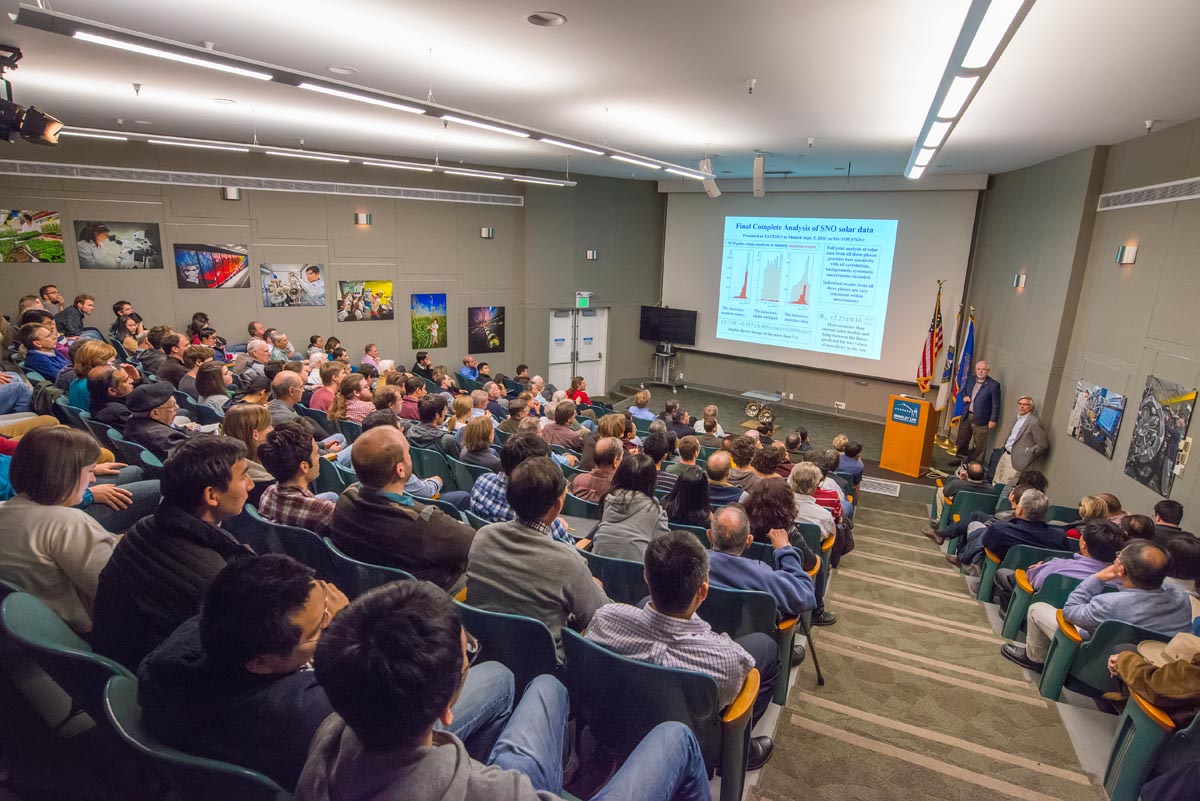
x=710, y=184
x=760, y=183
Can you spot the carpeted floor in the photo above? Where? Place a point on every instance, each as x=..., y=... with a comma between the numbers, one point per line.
x=918, y=704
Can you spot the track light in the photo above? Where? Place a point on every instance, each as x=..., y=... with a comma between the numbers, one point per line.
x=637, y=162
x=32, y=125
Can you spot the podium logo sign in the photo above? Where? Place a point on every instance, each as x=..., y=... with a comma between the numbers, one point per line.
x=906, y=412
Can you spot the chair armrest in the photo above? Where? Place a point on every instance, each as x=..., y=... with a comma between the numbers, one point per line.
x=812, y=571
x=461, y=596
x=583, y=544
x=1068, y=628
x=991, y=556
x=939, y=483
x=1154, y=713
x=744, y=702
x=827, y=543
x=1023, y=582
x=788, y=625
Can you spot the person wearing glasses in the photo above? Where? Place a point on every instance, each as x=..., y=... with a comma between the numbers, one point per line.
x=151, y=420
x=235, y=683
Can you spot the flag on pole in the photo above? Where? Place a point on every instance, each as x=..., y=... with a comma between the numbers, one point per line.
x=932, y=346
x=947, y=377
x=964, y=369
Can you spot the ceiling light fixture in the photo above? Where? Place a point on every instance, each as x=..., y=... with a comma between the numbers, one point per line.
x=546, y=19
x=86, y=135
x=638, y=162
x=296, y=154
x=544, y=181
x=571, y=146
x=691, y=175
x=374, y=101
x=170, y=55
x=466, y=174
x=200, y=145
x=487, y=126
x=410, y=167
x=988, y=27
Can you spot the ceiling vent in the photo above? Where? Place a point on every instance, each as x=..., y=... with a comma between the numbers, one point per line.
x=88, y=172
x=1187, y=189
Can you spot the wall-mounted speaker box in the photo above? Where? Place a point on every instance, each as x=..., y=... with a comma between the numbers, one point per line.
x=710, y=185
x=760, y=181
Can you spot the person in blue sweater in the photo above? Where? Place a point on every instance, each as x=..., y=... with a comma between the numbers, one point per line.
x=41, y=354
x=791, y=587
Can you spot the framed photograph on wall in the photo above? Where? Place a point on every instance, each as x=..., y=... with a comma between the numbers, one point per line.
x=212, y=266
x=1159, y=433
x=485, y=329
x=118, y=246
x=1096, y=417
x=292, y=285
x=32, y=236
x=364, y=301
x=428, y=316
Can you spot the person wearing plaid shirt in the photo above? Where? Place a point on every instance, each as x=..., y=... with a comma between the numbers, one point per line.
x=290, y=454
x=489, y=496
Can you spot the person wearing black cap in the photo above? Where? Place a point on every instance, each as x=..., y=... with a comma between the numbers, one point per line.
x=152, y=411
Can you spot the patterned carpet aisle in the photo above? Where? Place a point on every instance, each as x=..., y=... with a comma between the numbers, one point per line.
x=918, y=704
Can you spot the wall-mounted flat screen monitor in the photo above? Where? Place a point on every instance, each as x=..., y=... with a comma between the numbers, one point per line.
x=677, y=326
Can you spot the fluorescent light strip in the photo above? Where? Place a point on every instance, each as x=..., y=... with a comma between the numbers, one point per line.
x=915, y=173
x=170, y=55
x=474, y=175
x=397, y=166
x=580, y=148
x=86, y=135
x=628, y=160
x=326, y=90
x=484, y=125
x=937, y=132
x=996, y=22
x=925, y=156
x=312, y=156
x=199, y=145
x=956, y=96
x=688, y=174
x=544, y=181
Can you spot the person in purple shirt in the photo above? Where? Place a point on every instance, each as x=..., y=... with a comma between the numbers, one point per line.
x=1099, y=543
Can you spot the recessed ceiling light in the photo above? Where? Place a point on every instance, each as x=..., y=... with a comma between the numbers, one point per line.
x=225, y=100
x=336, y=70
x=546, y=19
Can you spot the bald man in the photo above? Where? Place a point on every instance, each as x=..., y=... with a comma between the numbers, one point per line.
x=376, y=522
x=980, y=400
x=607, y=456
x=720, y=491
x=287, y=388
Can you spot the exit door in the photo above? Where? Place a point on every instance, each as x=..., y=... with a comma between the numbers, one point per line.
x=578, y=342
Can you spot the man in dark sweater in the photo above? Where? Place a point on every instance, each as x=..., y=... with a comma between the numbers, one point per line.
x=234, y=683
x=161, y=567
x=971, y=477
x=1027, y=527
x=172, y=368
x=1167, y=517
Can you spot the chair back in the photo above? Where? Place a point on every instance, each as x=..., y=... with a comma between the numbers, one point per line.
x=624, y=580
x=739, y=612
x=1089, y=673
x=501, y=436
x=465, y=474
x=445, y=506
x=1019, y=557
x=761, y=551
x=811, y=533
x=193, y=778
x=570, y=472
x=1056, y=589
x=132, y=453
x=350, y=430
x=100, y=432
x=250, y=528
x=622, y=699
x=205, y=414
x=333, y=477
x=578, y=507
x=429, y=463
x=317, y=416
x=355, y=578
x=700, y=531
x=967, y=503
x=1062, y=514
x=475, y=520
x=60, y=652
x=69, y=414
x=641, y=426
x=523, y=645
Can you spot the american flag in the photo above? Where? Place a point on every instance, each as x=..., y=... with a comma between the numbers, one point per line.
x=932, y=346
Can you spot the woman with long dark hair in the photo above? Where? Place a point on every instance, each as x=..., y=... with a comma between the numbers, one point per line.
x=687, y=503
x=630, y=516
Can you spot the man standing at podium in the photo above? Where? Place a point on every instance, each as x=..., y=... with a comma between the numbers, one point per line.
x=980, y=402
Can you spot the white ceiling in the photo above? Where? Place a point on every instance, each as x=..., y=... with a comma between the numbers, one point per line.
x=664, y=78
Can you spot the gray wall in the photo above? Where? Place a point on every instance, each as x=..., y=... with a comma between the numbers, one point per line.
x=1127, y=323
x=534, y=263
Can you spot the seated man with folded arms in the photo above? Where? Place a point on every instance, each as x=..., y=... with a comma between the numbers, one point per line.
x=518, y=567
x=1028, y=526
x=1143, y=601
x=668, y=632
x=1099, y=543
x=236, y=684
x=393, y=663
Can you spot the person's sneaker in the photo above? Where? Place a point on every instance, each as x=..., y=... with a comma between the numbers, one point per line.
x=938, y=539
x=826, y=618
x=761, y=749
x=799, y=652
x=1015, y=653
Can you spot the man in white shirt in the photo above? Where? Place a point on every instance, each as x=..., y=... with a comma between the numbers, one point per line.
x=1025, y=445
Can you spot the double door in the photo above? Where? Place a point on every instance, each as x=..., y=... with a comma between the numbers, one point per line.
x=578, y=341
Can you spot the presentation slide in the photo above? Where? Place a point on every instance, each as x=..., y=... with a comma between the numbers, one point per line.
x=813, y=284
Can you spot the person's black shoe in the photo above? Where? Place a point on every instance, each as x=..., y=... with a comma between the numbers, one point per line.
x=952, y=559
x=938, y=539
x=799, y=652
x=761, y=749
x=1015, y=653
x=826, y=618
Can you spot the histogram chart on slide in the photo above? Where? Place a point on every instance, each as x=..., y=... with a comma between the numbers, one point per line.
x=766, y=292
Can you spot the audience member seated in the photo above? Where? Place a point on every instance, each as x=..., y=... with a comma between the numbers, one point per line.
x=375, y=522
x=152, y=412
x=461, y=412
x=689, y=450
x=764, y=466
x=288, y=388
x=152, y=357
x=194, y=357
x=430, y=433
x=213, y=381
x=1144, y=601
x=667, y=631
x=772, y=505
x=355, y=399
x=560, y=431
x=290, y=454
x=393, y=664
x=640, y=410
x=1184, y=568
x=161, y=567
x=607, y=455
x=518, y=410
x=172, y=368
x=833, y=488
x=489, y=495
x=282, y=350
x=742, y=451
x=804, y=482
x=1165, y=674
x=1138, y=527
x=91, y=353
x=1027, y=527
x=1113, y=503
x=250, y=424
x=41, y=350
x=851, y=460
x=797, y=445
x=710, y=413
x=1099, y=543
x=657, y=447
x=707, y=435
x=422, y=365
x=416, y=487
x=50, y=549
x=720, y=491
x=969, y=477
x=518, y=567
x=258, y=353
x=70, y=320
x=1167, y=518
x=478, y=437
x=414, y=390
x=331, y=374
x=469, y=370
x=630, y=515
x=687, y=503
x=1092, y=508
x=108, y=387
x=496, y=405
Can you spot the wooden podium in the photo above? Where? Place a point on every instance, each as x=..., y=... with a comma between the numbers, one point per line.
x=907, y=435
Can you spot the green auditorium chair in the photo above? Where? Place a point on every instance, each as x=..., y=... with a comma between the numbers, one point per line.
x=250, y=528
x=100, y=432
x=1062, y=514
x=624, y=580
x=429, y=463
x=355, y=578
x=69, y=415
x=963, y=506
x=445, y=506
x=475, y=520
x=570, y=472
x=1054, y=591
x=465, y=474
x=523, y=645
x=700, y=531
x=622, y=699
x=1017, y=557
x=578, y=507
x=316, y=415
x=134, y=454
x=1147, y=741
x=333, y=477
x=1083, y=666
x=350, y=430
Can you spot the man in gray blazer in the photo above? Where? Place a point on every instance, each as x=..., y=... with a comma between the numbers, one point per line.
x=1025, y=445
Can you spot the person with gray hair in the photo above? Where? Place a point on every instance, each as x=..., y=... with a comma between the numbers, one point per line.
x=287, y=388
x=1025, y=446
x=1027, y=527
x=786, y=582
x=593, y=485
x=281, y=349
x=804, y=480
x=258, y=353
